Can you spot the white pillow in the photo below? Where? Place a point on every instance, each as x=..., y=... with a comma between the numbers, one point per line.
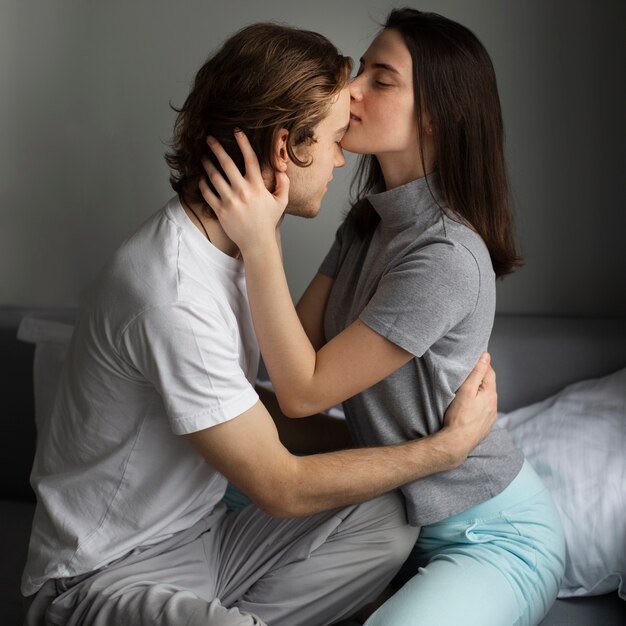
x=51, y=340
x=576, y=441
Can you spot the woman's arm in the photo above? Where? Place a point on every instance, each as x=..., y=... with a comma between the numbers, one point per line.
x=311, y=309
x=306, y=381
x=309, y=435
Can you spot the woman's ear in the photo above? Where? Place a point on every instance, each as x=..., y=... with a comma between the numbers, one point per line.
x=427, y=124
x=281, y=156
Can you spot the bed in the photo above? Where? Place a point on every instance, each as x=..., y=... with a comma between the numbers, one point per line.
x=537, y=360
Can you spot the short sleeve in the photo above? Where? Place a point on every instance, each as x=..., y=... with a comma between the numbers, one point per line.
x=192, y=358
x=424, y=296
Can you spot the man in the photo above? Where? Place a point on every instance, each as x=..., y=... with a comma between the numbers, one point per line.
x=157, y=409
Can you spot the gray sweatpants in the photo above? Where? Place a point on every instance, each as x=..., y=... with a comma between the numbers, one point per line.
x=242, y=569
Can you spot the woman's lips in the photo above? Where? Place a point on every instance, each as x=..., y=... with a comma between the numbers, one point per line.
x=354, y=117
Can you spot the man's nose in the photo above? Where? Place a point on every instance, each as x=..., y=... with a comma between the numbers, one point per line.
x=340, y=161
x=355, y=89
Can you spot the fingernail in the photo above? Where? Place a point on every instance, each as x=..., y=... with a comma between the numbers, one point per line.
x=237, y=130
x=210, y=139
x=484, y=357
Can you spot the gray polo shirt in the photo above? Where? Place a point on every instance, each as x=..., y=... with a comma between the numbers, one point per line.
x=424, y=281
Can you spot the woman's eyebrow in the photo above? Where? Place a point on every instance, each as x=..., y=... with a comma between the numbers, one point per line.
x=381, y=66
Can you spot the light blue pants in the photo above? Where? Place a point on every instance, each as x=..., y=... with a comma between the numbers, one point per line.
x=497, y=564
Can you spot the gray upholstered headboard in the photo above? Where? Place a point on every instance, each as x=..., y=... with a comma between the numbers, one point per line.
x=535, y=356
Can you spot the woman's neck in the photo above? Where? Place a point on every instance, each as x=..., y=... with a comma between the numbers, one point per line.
x=401, y=168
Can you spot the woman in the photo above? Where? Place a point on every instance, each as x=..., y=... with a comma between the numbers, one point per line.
x=402, y=307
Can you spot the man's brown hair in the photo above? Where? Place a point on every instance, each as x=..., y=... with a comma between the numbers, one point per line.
x=264, y=78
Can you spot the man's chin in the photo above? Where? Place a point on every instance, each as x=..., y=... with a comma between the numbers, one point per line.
x=302, y=211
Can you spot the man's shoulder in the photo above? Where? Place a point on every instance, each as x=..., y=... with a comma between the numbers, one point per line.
x=157, y=276
x=143, y=268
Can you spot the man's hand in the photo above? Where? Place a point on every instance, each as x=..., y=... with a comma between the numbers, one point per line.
x=473, y=412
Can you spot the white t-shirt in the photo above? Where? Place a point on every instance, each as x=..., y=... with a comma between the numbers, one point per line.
x=163, y=346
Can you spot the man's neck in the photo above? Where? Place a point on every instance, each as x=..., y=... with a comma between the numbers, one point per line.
x=214, y=230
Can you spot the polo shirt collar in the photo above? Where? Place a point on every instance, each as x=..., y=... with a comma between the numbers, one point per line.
x=408, y=203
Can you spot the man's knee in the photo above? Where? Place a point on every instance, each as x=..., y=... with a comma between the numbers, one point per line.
x=155, y=604
x=401, y=540
x=388, y=529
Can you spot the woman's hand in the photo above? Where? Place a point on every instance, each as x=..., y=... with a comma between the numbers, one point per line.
x=247, y=211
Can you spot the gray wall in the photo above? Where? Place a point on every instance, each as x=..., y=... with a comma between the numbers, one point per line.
x=85, y=88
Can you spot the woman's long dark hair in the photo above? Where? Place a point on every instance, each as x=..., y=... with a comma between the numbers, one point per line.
x=455, y=82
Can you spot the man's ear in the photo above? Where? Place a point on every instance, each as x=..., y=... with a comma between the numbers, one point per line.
x=280, y=155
